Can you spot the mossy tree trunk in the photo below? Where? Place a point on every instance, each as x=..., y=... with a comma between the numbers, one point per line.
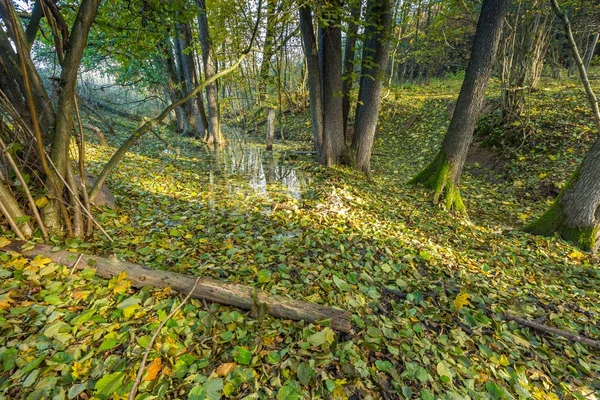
x=575, y=214
x=443, y=174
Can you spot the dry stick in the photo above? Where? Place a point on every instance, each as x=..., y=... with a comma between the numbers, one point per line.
x=12, y=222
x=555, y=331
x=32, y=204
x=81, y=163
x=75, y=264
x=34, y=118
x=148, y=125
x=138, y=378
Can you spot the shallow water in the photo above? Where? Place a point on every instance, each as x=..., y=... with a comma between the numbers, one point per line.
x=243, y=164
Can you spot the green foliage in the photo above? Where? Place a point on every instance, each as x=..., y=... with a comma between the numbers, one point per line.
x=351, y=245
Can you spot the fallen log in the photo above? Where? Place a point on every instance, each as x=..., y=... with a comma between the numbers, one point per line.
x=231, y=294
x=555, y=331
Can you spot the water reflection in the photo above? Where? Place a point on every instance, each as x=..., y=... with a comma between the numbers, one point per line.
x=264, y=171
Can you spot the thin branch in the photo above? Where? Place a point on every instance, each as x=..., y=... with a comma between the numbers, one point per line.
x=140, y=372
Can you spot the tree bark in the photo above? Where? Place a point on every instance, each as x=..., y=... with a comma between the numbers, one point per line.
x=314, y=76
x=333, y=124
x=13, y=212
x=375, y=60
x=268, y=50
x=188, y=67
x=214, y=135
x=443, y=174
x=270, y=128
x=349, y=52
x=591, y=50
x=66, y=105
x=232, y=294
x=575, y=213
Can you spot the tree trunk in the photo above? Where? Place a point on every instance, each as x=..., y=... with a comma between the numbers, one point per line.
x=443, y=174
x=172, y=87
x=575, y=213
x=268, y=50
x=270, y=128
x=375, y=60
x=182, y=87
x=66, y=104
x=333, y=124
x=314, y=76
x=188, y=67
x=214, y=135
x=12, y=212
x=591, y=50
x=349, y=52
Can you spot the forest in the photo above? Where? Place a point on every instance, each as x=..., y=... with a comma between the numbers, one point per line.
x=299, y=199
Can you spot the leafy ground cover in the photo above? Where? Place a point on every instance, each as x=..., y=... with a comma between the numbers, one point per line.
x=426, y=290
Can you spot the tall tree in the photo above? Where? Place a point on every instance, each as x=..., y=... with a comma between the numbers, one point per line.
x=213, y=135
x=349, y=52
x=374, y=66
x=443, y=173
x=575, y=214
x=331, y=76
x=313, y=75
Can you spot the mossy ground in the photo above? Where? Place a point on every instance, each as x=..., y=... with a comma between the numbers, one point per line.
x=200, y=212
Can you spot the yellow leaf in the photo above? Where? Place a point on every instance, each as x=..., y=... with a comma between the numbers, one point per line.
x=80, y=369
x=461, y=300
x=41, y=202
x=121, y=287
x=543, y=175
x=225, y=368
x=39, y=261
x=577, y=255
x=153, y=369
x=4, y=241
x=5, y=300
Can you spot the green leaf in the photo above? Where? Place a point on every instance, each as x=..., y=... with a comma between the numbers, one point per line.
x=494, y=390
x=109, y=384
x=305, y=373
x=342, y=284
x=444, y=371
x=325, y=336
x=242, y=355
x=264, y=275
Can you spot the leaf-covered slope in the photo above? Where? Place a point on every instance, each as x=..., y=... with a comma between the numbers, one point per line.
x=426, y=290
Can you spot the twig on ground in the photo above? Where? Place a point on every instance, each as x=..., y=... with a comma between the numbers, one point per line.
x=555, y=331
x=138, y=378
x=75, y=264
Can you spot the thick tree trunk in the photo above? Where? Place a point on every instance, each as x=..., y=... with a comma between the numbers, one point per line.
x=375, y=60
x=314, y=76
x=575, y=213
x=172, y=86
x=443, y=174
x=349, y=52
x=214, y=135
x=188, y=68
x=66, y=104
x=268, y=51
x=333, y=123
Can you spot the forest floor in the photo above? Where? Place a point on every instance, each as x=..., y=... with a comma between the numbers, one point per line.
x=426, y=289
